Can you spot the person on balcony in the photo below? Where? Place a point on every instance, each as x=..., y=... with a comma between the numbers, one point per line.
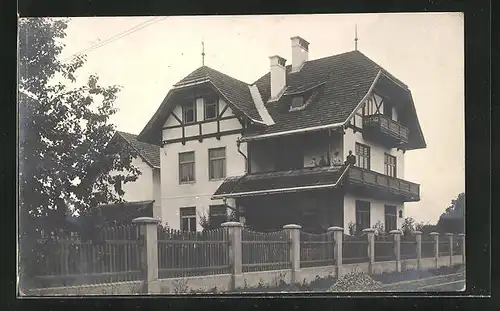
x=337, y=160
x=351, y=159
x=313, y=162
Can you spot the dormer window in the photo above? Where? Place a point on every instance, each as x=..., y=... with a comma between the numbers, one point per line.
x=211, y=109
x=297, y=103
x=189, y=112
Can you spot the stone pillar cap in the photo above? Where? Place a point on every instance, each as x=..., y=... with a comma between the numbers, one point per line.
x=461, y=234
x=416, y=232
x=145, y=220
x=369, y=230
x=395, y=232
x=334, y=229
x=232, y=224
x=448, y=234
x=292, y=226
x=434, y=233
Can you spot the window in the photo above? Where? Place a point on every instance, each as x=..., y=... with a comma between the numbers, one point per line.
x=390, y=212
x=211, y=109
x=390, y=165
x=189, y=112
x=217, y=163
x=362, y=215
x=363, y=156
x=297, y=103
x=217, y=215
x=186, y=167
x=188, y=218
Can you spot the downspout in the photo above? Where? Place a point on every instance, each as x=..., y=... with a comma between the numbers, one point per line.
x=238, y=143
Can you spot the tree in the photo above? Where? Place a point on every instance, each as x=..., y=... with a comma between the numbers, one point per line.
x=453, y=219
x=64, y=151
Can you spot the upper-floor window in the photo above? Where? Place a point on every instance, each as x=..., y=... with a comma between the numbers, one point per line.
x=362, y=215
x=186, y=167
x=211, y=109
x=363, y=156
x=188, y=218
x=390, y=212
x=390, y=165
x=217, y=163
x=189, y=112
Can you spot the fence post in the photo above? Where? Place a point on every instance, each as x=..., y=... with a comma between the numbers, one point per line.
x=370, y=233
x=462, y=240
x=450, y=246
x=149, y=232
x=418, y=239
x=435, y=235
x=338, y=234
x=234, y=233
x=397, y=248
x=293, y=233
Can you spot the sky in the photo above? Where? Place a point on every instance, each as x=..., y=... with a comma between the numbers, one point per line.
x=424, y=50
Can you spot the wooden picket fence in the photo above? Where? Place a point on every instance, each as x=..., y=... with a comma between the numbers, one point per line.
x=316, y=249
x=70, y=261
x=265, y=251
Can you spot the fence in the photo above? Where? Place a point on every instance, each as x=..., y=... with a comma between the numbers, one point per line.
x=144, y=252
x=265, y=251
x=182, y=254
x=316, y=250
x=112, y=258
x=354, y=249
x=408, y=247
x=384, y=248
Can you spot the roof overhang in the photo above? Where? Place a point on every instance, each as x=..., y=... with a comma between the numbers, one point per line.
x=257, y=184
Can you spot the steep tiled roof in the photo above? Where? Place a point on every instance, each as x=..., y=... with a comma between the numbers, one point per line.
x=149, y=153
x=279, y=182
x=347, y=78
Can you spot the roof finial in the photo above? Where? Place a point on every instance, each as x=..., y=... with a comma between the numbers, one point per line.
x=202, y=53
x=356, y=37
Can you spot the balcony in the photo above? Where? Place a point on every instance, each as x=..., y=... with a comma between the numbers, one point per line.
x=385, y=130
x=381, y=186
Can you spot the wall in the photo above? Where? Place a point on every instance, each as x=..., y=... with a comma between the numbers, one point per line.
x=157, y=193
x=377, y=212
x=142, y=188
x=223, y=281
x=376, y=152
x=175, y=195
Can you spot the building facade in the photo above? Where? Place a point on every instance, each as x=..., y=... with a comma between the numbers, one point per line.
x=274, y=152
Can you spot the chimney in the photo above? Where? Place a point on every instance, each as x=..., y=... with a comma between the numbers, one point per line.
x=278, y=76
x=300, y=52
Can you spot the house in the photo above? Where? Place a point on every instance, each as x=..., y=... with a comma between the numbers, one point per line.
x=255, y=148
x=147, y=187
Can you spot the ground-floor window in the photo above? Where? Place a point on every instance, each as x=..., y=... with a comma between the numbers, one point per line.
x=362, y=215
x=188, y=218
x=217, y=215
x=391, y=214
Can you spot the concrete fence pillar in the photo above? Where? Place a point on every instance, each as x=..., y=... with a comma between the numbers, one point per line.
x=370, y=234
x=293, y=233
x=397, y=248
x=235, y=255
x=148, y=229
x=338, y=235
x=435, y=235
x=461, y=238
x=450, y=246
x=418, y=240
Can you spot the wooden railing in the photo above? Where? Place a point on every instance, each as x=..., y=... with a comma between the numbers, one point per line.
x=364, y=176
x=388, y=126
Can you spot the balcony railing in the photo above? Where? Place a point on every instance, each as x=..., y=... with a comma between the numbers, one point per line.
x=384, y=182
x=387, y=126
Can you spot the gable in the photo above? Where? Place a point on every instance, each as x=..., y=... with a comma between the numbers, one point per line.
x=203, y=125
